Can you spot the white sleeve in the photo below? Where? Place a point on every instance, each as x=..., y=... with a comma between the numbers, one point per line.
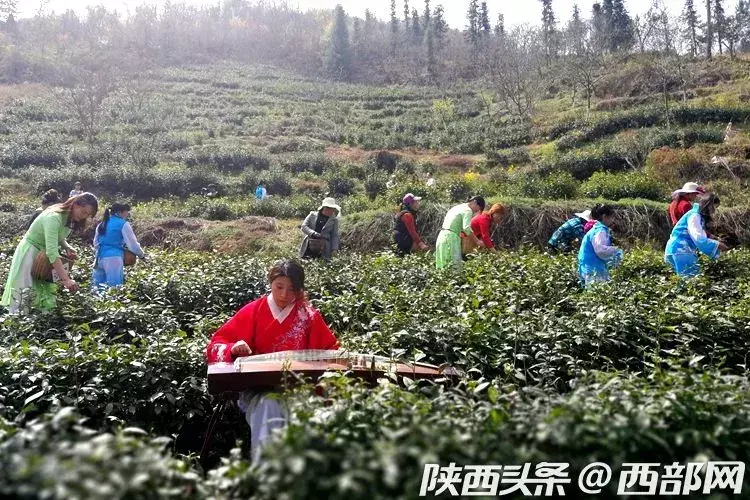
x=695, y=228
x=96, y=236
x=130, y=240
x=602, y=246
x=698, y=235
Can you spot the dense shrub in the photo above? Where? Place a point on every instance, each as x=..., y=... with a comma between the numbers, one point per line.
x=127, y=181
x=583, y=163
x=508, y=157
x=277, y=182
x=556, y=185
x=614, y=186
x=375, y=184
x=548, y=370
x=316, y=163
x=386, y=161
x=230, y=160
x=341, y=186
x=34, y=151
x=459, y=189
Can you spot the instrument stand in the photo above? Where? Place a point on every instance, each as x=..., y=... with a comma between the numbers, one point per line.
x=215, y=417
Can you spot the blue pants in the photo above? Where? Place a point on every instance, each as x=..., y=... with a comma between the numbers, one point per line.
x=685, y=264
x=108, y=272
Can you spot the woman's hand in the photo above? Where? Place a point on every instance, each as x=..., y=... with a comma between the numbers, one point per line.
x=723, y=247
x=71, y=254
x=70, y=285
x=241, y=349
x=423, y=246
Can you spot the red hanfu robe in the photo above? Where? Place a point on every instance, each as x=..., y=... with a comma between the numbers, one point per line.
x=303, y=328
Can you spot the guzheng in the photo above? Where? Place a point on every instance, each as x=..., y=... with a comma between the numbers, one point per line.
x=268, y=371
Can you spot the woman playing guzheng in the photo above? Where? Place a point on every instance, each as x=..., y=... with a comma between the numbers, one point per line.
x=281, y=321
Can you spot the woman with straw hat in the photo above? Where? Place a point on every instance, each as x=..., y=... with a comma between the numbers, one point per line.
x=321, y=230
x=683, y=199
x=40, y=248
x=571, y=230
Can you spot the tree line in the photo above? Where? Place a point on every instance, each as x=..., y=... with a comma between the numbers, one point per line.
x=415, y=45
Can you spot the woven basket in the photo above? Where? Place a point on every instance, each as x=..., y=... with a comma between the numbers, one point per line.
x=129, y=258
x=41, y=269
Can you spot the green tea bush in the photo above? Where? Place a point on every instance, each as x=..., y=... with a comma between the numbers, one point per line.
x=277, y=182
x=124, y=181
x=642, y=366
x=316, y=163
x=341, y=186
x=508, y=157
x=583, y=163
x=34, y=151
x=614, y=186
x=375, y=184
x=458, y=189
x=556, y=185
x=59, y=457
x=231, y=160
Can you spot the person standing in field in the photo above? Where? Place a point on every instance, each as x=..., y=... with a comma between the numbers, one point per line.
x=405, y=234
x=689, y=238
x=457, y=225
x=51, y=197
x=281, y=321
x=482, y=226
x=573, y=229
x=683, y=199
x=76, y=191
x=321, y=230
x=597, y=254
x=113, y=235
x=46, y=235
x=261, y=193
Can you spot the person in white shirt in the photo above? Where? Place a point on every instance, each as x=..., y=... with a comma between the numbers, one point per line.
x=77, y=190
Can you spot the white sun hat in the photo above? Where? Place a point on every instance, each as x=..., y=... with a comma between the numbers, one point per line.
x=330, y=203
x=689, y=188
x=585, y=215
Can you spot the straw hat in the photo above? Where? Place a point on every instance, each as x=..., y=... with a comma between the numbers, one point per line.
x=689, y=188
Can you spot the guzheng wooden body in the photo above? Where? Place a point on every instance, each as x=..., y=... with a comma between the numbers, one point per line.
x=269, y=371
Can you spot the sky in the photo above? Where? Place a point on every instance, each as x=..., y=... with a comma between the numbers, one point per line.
x=515, y=12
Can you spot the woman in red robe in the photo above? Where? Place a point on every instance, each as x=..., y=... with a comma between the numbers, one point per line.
x=280, y=321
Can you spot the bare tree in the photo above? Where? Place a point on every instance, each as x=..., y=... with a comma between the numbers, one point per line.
x=82, y=92
x=644, y=27
x=514, y=69
x=589, y=68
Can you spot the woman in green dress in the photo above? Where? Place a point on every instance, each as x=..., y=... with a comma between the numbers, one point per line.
x=46, y=234
x=457, y=225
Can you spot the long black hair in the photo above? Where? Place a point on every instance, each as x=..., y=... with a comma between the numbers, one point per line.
x=85, y=199
x=706, y=204
x=600, y=211
x=116, y=208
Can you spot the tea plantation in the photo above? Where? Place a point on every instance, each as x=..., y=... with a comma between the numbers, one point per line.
x=107, y=397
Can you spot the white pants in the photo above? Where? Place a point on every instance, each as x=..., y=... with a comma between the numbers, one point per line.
x=263, y=415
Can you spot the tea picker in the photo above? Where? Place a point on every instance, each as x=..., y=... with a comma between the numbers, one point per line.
x=115, y=246
x=39, y=249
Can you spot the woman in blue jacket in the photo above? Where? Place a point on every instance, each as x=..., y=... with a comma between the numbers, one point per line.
x=112, y=236
x=597, y=255
x=689, y=238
